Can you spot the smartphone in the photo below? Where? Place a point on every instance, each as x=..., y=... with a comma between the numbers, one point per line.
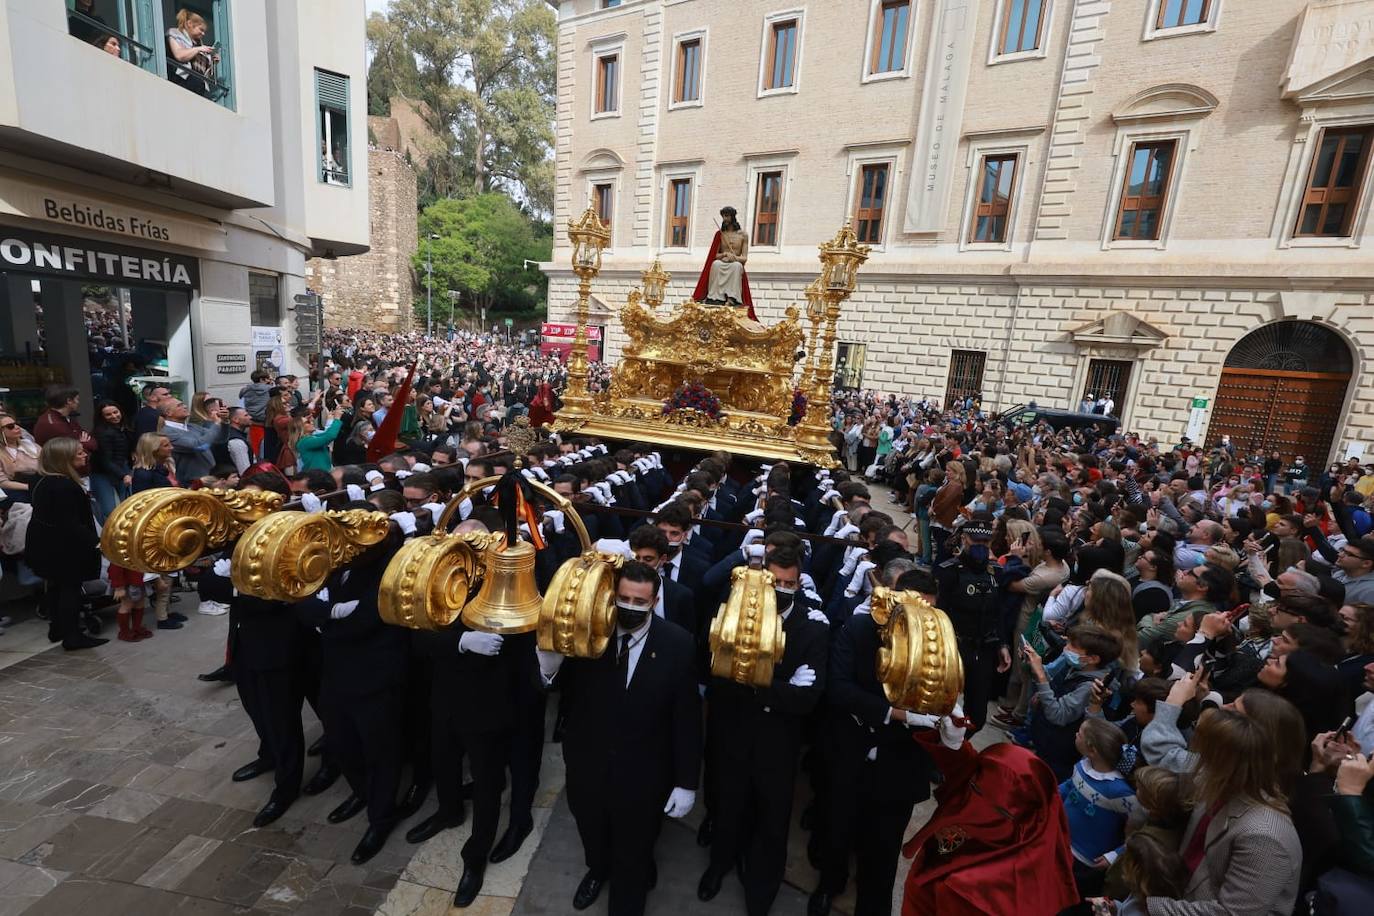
x=1025, y=538
x=1025, y=643
x=1346, y=726
x=1109, y=681
x=1205, y=665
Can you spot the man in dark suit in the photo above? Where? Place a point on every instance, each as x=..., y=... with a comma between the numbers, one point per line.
x=756, y=740
x=362, y=690
x=676, y=602
x=877, y=773
x=633, y=742
x=685, y=564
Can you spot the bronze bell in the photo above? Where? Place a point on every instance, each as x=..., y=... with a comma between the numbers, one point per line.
x=509, y=600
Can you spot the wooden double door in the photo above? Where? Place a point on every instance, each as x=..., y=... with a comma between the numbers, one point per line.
x=1295, y=412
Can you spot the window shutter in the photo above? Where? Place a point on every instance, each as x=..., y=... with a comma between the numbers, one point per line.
x=332, y=90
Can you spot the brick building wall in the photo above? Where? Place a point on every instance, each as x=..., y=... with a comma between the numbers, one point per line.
x=376, y=289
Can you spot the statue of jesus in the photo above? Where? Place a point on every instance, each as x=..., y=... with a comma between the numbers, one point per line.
x=723, y=280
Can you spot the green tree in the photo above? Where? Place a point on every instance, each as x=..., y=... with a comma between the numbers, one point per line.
x=485, y=71
x=481, y=249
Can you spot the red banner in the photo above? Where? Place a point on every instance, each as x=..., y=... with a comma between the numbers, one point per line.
x=558, y=338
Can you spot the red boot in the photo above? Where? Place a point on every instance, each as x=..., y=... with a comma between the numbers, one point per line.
x=136, y=624
x=126, y=631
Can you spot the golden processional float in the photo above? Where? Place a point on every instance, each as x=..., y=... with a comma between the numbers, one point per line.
x=488, y=579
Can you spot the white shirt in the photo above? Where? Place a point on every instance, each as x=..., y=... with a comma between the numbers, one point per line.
x=172, y=423
x=1363, y=729
x=637, y=638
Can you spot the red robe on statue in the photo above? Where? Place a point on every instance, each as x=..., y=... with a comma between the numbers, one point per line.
x=998, y=843
x=704, y=283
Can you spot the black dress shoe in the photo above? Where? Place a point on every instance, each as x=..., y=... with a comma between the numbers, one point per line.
x=469, y=886
x=511, y=841
x=588, y=891
x=351, y=806
x=314, y=749
x=82, y=641
x=704, y=833
x=222, y=673
x=371, y=843
x=270, y=812
x=251, y=770
x=819, y=904
x=413, y=800
x=435, y=824
x=325, y=777
x=709, y=885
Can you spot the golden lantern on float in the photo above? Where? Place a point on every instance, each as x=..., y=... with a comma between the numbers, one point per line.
x=918, y=663
x=655, y=281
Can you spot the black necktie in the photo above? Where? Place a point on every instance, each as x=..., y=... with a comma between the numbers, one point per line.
x=622, y=660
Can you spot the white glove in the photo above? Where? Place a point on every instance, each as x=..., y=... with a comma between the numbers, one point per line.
x=921, y=720
x=751, y=537
x=859, y=584
x=402, y=475
x=311, y=503
x=549, y=663
x=480, y=643
x=818, y=616
x=837, y=519
x=464, y=509
x=406, y=522
x=342, y=610
x=377, y=481
x=527, y=473
x=595, y=495
x=435, y=510
x=829, y=494
x=619, y=478
x=323, y=594
x=355, y=493
x=641, y=465
x=803, y=677
x=540, y=473
x=600, y=450
x=753, y=552
x=221, y=568
x=846, y=531
x=753, y=516
x=680, y=803
x=952, y=734
x=421, y=468
x=656, y=459
x=557, y=517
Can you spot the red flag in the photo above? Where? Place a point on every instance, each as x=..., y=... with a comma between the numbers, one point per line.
x=384, y=441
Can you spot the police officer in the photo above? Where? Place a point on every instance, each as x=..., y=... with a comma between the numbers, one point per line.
x=968, y=593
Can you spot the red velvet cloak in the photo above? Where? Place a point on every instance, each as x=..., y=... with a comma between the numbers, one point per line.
x=704, y=282
x=1005, y=836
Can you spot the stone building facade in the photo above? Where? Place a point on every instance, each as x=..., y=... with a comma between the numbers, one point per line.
x=376, y=290
x=1159, y=201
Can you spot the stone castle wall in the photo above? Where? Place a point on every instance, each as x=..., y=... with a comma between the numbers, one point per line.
x=376, y=290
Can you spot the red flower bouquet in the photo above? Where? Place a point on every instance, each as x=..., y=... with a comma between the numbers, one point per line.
x=694, y=396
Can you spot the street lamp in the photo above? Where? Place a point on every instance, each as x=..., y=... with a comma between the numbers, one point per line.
x=429, y=285
x=588, y=236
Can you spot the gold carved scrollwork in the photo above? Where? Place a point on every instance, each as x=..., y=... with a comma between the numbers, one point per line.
x=428, y=582
x=288, y=555
x=167, y=529
x=578, y=616
x=918, y=663
x=746, y=637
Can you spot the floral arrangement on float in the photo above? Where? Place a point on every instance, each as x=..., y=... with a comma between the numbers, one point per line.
x=693, y=396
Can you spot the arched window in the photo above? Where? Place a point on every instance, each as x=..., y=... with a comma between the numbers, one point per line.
x=1292, y=346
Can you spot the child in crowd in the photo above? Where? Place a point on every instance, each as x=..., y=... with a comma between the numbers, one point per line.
x=132, y=596
x=1060, y=700
x=1098, y=801
x=1159, y=813
x=1152, y=868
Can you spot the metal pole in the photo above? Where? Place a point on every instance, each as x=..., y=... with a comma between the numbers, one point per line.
x=429, y=288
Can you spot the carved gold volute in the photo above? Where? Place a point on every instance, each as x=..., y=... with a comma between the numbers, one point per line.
x=289, y=555
x=167, y=529
x=746, y=637
x=918, y=663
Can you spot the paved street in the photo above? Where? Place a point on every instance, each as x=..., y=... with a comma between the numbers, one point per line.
x=115, y=798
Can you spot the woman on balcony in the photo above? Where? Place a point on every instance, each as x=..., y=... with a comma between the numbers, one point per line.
x=189, y=62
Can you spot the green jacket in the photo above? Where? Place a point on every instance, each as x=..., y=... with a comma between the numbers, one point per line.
x=1354, y=817
x=312, y=451
x=1149, y=631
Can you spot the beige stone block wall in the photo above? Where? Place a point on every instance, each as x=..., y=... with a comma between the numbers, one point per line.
x=376, y=289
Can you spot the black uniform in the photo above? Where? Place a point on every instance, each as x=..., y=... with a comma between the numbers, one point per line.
x=968, y=594
x=271, y=676
x=626, y=748
x=870, y=798
x=362, y=685
x=479, y=703
x=756, y=737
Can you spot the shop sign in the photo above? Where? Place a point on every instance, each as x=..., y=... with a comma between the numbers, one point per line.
x=75, y=209
x=30, y=252
x=555, y=332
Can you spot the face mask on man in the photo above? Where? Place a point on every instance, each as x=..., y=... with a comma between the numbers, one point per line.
x=674, y=548
x=785, y=597
x=630, y=617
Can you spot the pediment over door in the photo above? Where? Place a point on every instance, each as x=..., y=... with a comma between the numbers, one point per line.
x=1119, y=331
x=1353, y=83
